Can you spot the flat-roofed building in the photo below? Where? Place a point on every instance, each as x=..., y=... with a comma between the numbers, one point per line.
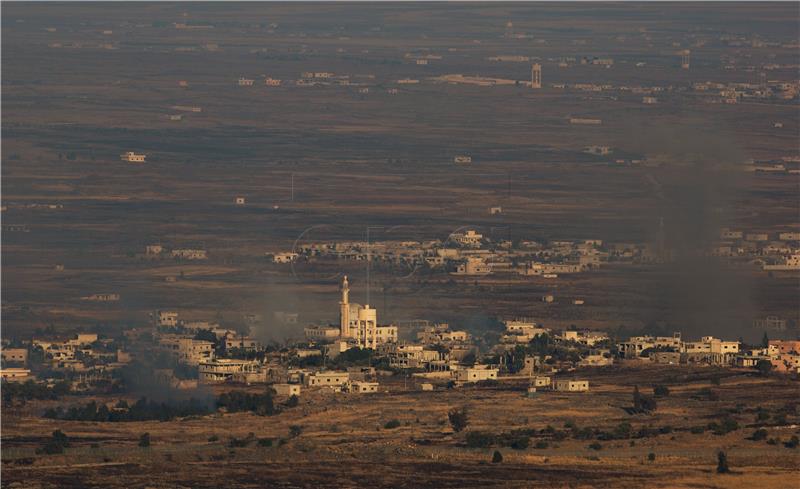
x=571, y=385
x=327, y=379
x=287, y=390
x=475, y=373
x=14, y=374
x=15, y=355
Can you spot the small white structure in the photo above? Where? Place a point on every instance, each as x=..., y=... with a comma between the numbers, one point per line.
x=167, y=318
x=649, y=100
x=540, y=381
x=132, y=157
x=462, y=159
x=246, y=82
x=240, y=201
x=571, y=385
x=272, y=82
x=495, y=210
x=285, y=257
x=426, y=387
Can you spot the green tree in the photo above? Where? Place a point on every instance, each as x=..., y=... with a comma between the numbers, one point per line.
x=764, y=367
x=144, y=440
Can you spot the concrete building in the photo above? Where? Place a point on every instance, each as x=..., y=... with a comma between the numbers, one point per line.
x=246, y=82
x=167, y=318
x=190, y=254
x=239, y=201
x=154, y=249
x=536, y=76
x=468, y=238
x=285, y=257
x=360, y=323
x=321, y=333
x=473, y=266
x=571, y=385
x=540, y=381
x=132, y=157
x=638, y=344
x=360, y=387
x=327, y=379
x=462, y=159
x=230, y=370
x=476, y=373
x=14, y=355
x=585, y=337
x=272, y=82
x=15, y=374
x=287, y=390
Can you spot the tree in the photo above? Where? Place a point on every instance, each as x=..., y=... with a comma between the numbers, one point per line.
x=144, y=440
x=764, y=367
x=458, y=419
x=295, y=430
x=660, y=390
x=722, y=463
x=392, y=424
x=651, y=457
x=497, y=457
x=765, y=340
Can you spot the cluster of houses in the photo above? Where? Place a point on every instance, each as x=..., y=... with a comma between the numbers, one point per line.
x=466, y=253
x=157, y=250
x=437, y=355
x=768, y=251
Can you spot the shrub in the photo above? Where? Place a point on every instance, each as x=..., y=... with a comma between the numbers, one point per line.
x=213, y=438
x=479, y=439
x=759, y=434
x=295, y=430
x=541, y=444
x=458, y=419
x=55, y=444
x=660, y=390
x=144, y=440
x=497, y=457
x=293, y=401
x=392, y=424
x=697, y=429
x=265, y=442
x=651, y=457
x=722, y=463
x=596, y=446
x=793, y=442
x=726, y=426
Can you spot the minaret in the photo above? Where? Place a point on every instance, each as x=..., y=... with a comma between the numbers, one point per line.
x=344, y=310
x=536, y=76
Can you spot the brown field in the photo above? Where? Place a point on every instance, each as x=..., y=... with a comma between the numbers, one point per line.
x=344, y=444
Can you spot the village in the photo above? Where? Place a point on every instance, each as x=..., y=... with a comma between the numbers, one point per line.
x=354, y=356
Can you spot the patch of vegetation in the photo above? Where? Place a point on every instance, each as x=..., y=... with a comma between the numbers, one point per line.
x=458, y=419
x=392, y=424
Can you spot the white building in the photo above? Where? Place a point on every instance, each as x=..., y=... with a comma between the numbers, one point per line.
x=469, y=238
x=571, y=385
x=190, y=254
x=285, y=257
x=360, y=323
x=227, y=370
x=360, y=387
x=132, y=157
x=167, y=318
x=473, y=266
x=476, y=373
x=327, y=379
x=462, y=159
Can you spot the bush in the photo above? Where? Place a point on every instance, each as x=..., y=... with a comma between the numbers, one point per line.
x=793, y=442
x=497, y=457
x=213, y=438
x=722, y=463
x=651, y=457
x=392, y=424
x=144, y=440
x=726, y=426
x=759, y=434
x=458, y=419
x=596, y=446
x=295, y=430
x=541, y=445
x=660, y=390
x=696, y=430
x=265, y=442
x=55, y=444
x=293, y=401
x=479, y=439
